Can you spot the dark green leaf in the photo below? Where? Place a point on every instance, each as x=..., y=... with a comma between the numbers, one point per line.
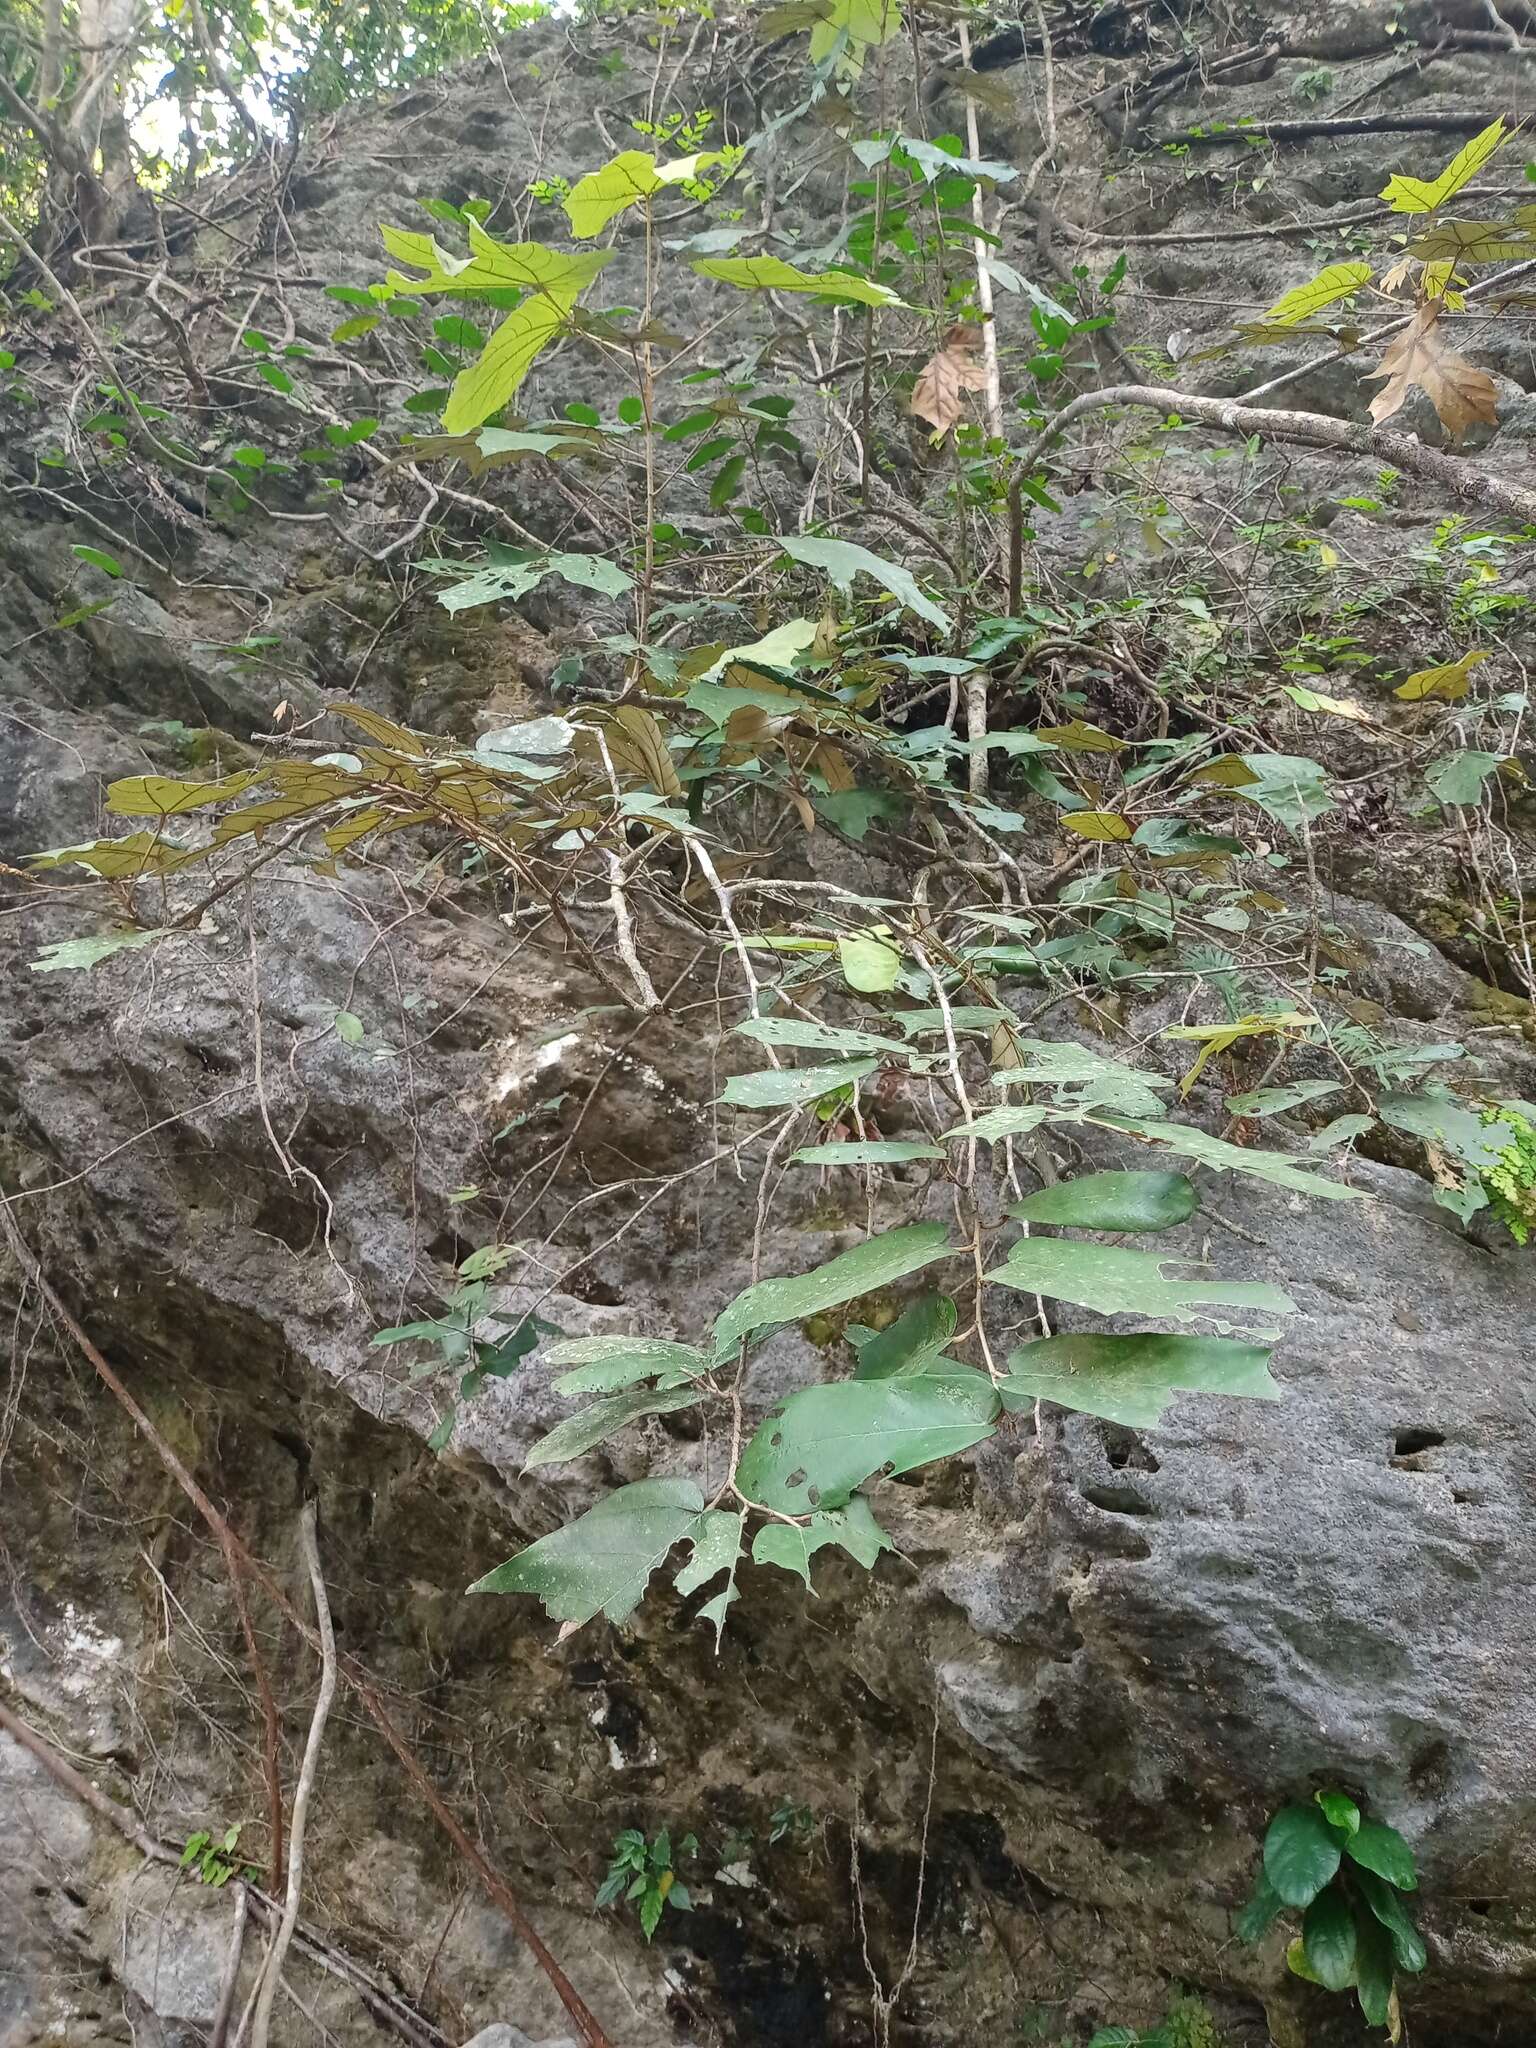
x=825, y=1441
x=876, y=1263
x=603, y=1561
x=917, y=1334
x=1112, y=1201
x=1382, y=1849
x=1328, y=1935
x=1261, y=1911
x=1373, y=1970
x=1384, y=1902
x=608, y=1364
x=1301, y=1853
x=792, y=1545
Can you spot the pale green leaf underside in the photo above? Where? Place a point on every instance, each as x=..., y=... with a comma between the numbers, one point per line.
x=602, y=1562
x=1116, y=1280
x=844, y=559
x=865, y=1152
x=581, y=1433
x=779, y=1085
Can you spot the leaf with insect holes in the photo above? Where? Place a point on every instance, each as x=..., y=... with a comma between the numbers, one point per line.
x=876, y=1263
x=1449, y=682
x=792, y=1545
x=822, y=1442
x=865, y=1152
x=816, y=1036
x=1219, y=1038
x=1336, y=282
x=716, y=1541
x=1473, y=241
x=1271, y=1101
x=938, y=396
x=1117, y=1280
x=779, y=1085
x=1217, y=1153
x=1419, y=195
x=1133, y=1379
x=772, y=273
x=1460, y=393
x=603, y=1561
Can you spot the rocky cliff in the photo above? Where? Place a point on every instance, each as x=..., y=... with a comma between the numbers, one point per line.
x=1101, y=1657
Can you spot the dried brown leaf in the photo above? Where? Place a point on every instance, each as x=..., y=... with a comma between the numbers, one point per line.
x=938, y=394
x=1460, y=393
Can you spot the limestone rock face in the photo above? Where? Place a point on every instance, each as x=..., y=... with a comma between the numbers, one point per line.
x=1133, y=1645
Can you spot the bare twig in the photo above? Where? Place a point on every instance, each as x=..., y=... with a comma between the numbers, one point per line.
x=277, y=1954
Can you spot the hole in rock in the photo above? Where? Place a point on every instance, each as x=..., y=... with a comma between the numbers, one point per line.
x=1116, y=1500
x=1124, y=1448
x=1407, y=1443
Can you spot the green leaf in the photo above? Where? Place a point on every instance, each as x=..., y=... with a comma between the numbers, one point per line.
x=1270, y=1101
x=1459, y=778
x=349, y=1028
x=1341, y=1810
x=1382, y=1849
x=579, y=1433
x=632, y=176
x=772, y=273
x=825, y=1441
x=1418, y=195
x=865, y=1152
x=492, y=381
x=71, y=953
x=869, y=964
x=162, y=796
x=606, y=1365
x=1289, y=787
x=1342, y=1131
x=792, y=1545
x=1106, y=825
x=249, y=458
x=844, y=559
x=876, y=1263
x=914, y=1338
x=793, y=1084
x=1448, y=1125
x=1275, y=1167
x=1300, y=303
x=1301, y=1853
x=1260, y=1913
x=1082, y=1078
x=1116, y=1280
x=996, y=1124
x=1328, y=1936
x=816, y=1036
x=1373, y=1971
x=603, y=1561
x=716, y=1548
x=1112, y=1201
x=98, y=559
x=1132, y=1379
x=1407, y=1943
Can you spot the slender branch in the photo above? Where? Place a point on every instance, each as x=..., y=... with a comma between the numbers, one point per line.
x=277, y=1954
x=1300, y=131
x=227, y=1989
x=1310, y=430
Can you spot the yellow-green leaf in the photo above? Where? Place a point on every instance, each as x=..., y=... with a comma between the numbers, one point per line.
x=772, y=273
x=1097, y=824
x=1080, y=738
x=1417, y=195
x=489, y=384
x=632, y=176
x=492, y=265
x=163, y=796
x=1336, y=282
x=1448, y=682
x=869, y=963
x=1474, y=241
x=864, y=22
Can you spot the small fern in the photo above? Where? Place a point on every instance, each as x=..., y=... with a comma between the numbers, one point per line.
x=1511, y=1185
